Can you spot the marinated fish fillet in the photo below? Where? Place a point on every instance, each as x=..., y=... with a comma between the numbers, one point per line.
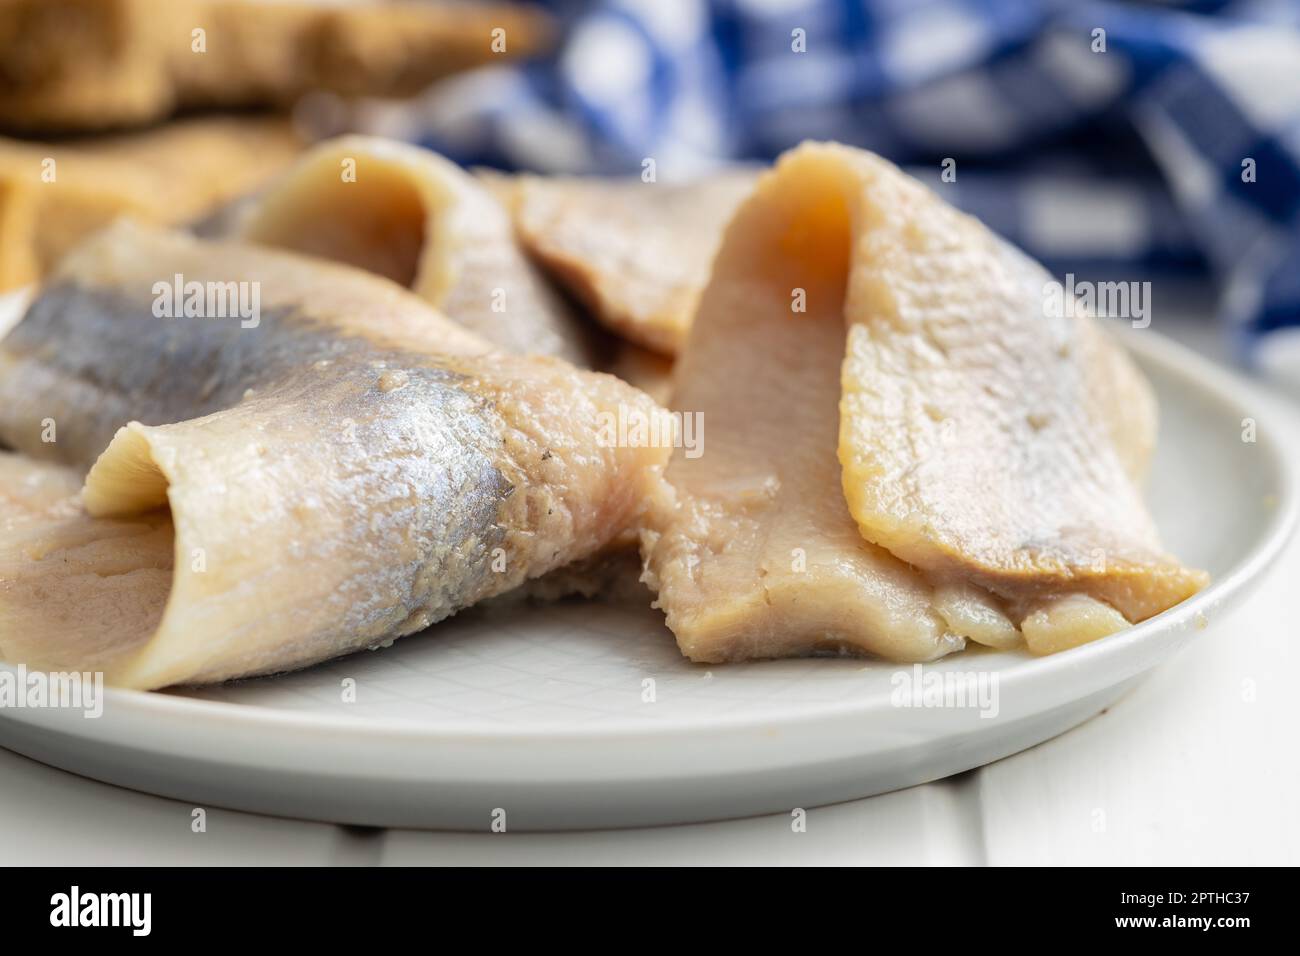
x=91, y=354
x=349, y=486
x=905, y=450
x=998, y=441
x=92, y=64
x=54, y=194
x=637, y=254
x=410, y=215
x=33, y=489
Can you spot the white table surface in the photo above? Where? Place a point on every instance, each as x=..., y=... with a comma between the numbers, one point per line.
x=1198, y=765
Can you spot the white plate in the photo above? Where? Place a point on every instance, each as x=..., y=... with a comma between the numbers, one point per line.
x=542, y=712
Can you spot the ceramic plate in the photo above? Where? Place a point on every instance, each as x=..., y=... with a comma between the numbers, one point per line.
x=585, y=715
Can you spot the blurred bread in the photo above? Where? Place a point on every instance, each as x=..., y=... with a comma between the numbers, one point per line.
x=68, y=65
x=52, y=194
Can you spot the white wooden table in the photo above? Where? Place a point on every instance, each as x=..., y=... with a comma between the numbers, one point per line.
x=1198, y=765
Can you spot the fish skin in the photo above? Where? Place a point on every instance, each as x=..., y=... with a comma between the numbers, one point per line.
x=366, y=487
x=825, y=514
x=637, y=254
x=363, y=514
x=90, y=354
x=410, y=215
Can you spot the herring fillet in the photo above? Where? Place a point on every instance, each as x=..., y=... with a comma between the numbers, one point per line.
x=89, y=355
x=636, y=254
x=755, y=554
x=352, y=486
x=904, y=451
x=986, y=432
x=412, y=216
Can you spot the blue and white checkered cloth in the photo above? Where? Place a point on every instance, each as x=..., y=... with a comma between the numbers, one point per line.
x=1116, y=137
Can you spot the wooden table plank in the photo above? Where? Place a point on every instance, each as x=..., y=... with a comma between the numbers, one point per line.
x=930, y=825
x=49, y=817
x=1198, y=765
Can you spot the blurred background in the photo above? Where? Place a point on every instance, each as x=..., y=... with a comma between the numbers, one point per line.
x=1119, y=141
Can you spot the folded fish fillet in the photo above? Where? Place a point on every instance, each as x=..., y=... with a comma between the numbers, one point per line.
x=347, y=486
x=986, y=431
x=410, y=215
x=905, y=449
x=636, y=253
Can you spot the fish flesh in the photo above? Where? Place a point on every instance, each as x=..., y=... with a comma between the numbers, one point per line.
x=290, y=453
x=906, y=449
x=350, y=470
x=76, y=592
x=420, y=220
x=33, y=489
x=635, y=253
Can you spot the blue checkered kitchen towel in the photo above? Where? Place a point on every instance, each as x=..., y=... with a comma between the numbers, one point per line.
x=1124, y=138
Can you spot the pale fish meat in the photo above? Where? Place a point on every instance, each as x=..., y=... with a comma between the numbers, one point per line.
x=33, y=489
x=635, y=253
x=414, y=217
x=98, y=585
x=906, y=450
x=346, y=483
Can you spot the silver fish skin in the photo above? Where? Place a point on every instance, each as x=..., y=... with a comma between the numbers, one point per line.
x=341, y=485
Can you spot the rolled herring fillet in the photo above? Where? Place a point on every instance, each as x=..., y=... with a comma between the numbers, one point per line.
x=414, y=217
x=344, y=484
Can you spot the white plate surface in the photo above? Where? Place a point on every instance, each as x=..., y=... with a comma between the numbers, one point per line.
x=543, y=712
